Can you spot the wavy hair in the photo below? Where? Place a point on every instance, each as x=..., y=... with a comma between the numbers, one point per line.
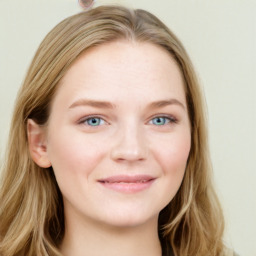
x=31, y=212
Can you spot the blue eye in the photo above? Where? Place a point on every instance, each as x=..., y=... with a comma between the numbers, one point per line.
x=94, y=121
x=161, y=120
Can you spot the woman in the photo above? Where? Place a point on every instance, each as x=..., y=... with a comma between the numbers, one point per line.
x=108, y=149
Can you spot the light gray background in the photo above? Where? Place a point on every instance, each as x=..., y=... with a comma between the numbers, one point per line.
x=220, y=37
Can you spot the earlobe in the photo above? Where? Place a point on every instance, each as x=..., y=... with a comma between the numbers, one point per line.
x=37, y=144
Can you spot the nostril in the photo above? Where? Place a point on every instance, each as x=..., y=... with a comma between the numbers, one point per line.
x=122, y=155
x=129, y=145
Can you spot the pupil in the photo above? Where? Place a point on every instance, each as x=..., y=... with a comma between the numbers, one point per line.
x=159, y=121
x=94, y=121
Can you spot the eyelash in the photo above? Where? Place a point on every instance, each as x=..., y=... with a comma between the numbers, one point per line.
x=167, y=120
x=85, y=121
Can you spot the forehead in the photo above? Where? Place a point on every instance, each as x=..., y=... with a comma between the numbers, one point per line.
x=123, y=69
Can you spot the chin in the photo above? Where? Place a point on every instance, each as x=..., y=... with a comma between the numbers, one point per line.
x=130, y=219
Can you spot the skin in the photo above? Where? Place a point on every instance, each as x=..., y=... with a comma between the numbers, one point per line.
x=141, y=128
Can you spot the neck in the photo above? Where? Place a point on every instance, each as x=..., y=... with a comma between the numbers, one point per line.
x=95, y=239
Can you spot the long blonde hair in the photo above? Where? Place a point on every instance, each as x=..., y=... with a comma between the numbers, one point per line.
x=31, y=213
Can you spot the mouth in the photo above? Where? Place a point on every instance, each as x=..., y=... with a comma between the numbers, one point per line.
x=127, y=184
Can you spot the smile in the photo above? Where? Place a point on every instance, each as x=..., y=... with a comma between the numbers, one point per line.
x=127, y=184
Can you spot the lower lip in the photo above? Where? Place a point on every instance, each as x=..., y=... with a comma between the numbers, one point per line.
x=127, y=187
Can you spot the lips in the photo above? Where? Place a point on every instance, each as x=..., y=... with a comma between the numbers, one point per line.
x=127, y=184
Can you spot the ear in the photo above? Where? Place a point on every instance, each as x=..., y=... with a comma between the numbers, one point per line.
x=37, y=144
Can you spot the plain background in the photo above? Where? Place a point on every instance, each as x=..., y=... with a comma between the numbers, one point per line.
x=220, y=37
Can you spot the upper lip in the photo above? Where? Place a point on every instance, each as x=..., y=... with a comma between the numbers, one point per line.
x=127, y=179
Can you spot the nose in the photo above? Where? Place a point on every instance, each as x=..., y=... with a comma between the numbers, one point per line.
x=129, y=145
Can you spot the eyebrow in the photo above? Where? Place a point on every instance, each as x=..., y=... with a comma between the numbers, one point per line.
x=164, y=103
x=108, y=105
x=92, y=103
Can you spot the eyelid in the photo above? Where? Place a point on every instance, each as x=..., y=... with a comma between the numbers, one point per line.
x=86, y=118
x=171, y=118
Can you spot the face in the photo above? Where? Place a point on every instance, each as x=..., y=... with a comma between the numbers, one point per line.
x=118, y=136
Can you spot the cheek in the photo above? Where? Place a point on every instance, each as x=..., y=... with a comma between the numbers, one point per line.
x=73, y=155
x=172, y=156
